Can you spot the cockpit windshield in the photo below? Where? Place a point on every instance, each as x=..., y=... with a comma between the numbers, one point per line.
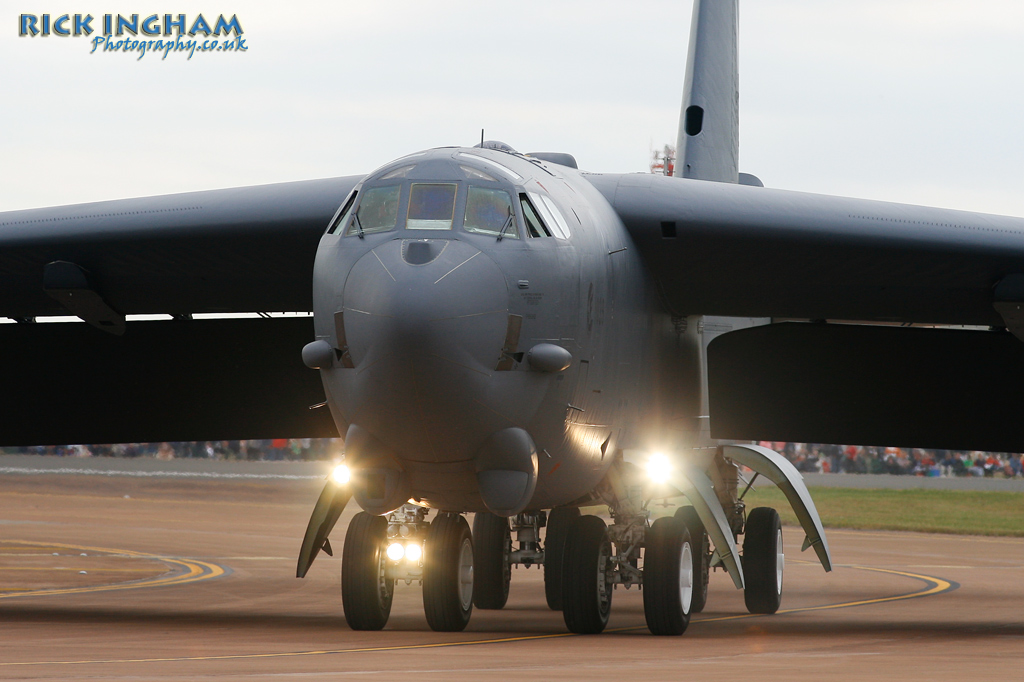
x=489, y=211
x=469, y=193
x=377, y=212
x=431, y=206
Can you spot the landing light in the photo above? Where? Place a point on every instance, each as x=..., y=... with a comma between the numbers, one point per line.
x=659, y=468
x=341, y=475
x=411, y=552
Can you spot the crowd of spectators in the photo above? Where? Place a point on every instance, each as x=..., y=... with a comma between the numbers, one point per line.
x=807, y=457
x=275, y=449
x=858, y=459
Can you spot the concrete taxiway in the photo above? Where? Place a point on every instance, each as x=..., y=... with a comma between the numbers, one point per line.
x=164, y=578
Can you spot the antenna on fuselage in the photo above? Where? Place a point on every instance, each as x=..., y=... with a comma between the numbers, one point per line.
x=481, y=137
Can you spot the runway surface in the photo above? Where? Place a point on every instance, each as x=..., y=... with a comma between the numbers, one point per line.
x=142, y=578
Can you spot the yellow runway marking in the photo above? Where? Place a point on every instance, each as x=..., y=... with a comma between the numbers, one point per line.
x=187, y=571
x=91, y=570
x=933, y=587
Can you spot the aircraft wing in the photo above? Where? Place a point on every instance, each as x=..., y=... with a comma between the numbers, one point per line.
x=726, y=249
x=236, y=250
x=733, y=250
x=248, y=249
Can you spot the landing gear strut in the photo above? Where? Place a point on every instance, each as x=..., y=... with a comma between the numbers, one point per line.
x=494, y=553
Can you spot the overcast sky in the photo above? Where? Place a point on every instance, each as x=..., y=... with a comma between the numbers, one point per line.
x=918, y=101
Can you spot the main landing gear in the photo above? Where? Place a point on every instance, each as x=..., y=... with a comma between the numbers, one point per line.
x=700, y=546
x=672, y=570
x=448, y=574
x=367, y=589
x=379, y=551
x=559, y=521
x=457, y=569
x=495, y=554
x=669, y=559
x=492, y=560
x=584, y=558
x=597, y=558
x=584, y=561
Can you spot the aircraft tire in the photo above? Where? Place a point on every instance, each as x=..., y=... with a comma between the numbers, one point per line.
x=492, y=561
x=701, y=546
x=559, y=521
x=668, y=577
x=448, y=574
x=587, y=576
x=366, y=594
x=763, y=561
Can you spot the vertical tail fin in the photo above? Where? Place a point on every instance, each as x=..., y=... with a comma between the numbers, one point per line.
x=708, y=144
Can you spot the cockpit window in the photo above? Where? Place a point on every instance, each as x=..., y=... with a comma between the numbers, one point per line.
x=398, y=173
x=342, y=216
x=431, y=206
x=476, y=173
x=489, y=211
x=534, y=226
x=552, y=216
x=492, y=164
x=377, y=212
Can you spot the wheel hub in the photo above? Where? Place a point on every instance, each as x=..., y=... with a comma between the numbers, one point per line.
x=466, y=575
x=780, y=562
x=686, y=577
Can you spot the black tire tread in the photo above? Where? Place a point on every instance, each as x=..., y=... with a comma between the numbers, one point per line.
x=580, y=608
x=364, y=541
x=761, y=594
x=441, y=583
x=492, y=572
x=700, y=544
x=663, y=609
x=559, y=521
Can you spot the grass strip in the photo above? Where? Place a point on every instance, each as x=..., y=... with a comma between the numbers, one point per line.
x=927, y=511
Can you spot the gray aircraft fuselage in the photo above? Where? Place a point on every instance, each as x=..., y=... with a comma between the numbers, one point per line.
x=434, y=322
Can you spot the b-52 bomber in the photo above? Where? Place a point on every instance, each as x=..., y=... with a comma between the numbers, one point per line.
x=504, y=334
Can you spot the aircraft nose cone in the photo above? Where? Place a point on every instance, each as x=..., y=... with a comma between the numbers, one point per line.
x=425, y=322
x=426, y=298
